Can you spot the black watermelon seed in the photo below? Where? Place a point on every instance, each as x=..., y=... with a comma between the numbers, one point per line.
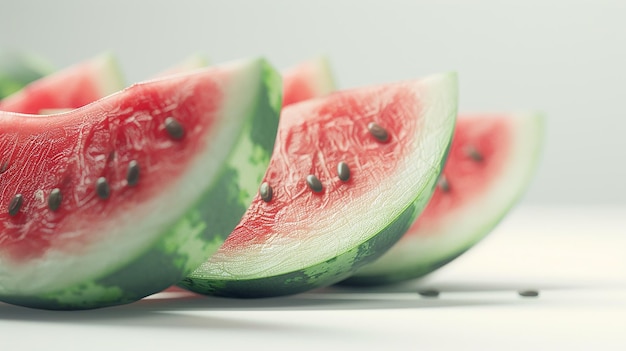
x=343, y=171
x=443, y=184
x=378, y=132
x=3, y=167
x=266, y=192
x=132, y=175
x=528, y=293
x=314, y=183
x=474, y=154
x=102, y=188
x=54, y=199
x=15, y=204
x=174, y=128
x=429, y=293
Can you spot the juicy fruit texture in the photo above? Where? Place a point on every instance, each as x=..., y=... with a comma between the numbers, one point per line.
x=304, y=238
x=80, y=84
x=307, y=80
x=18, y=69
x=490, y=165
x=71, y=88
x=202, y=142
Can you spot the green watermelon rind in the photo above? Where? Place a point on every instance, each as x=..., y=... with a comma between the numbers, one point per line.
x=17, y=69
x=426, y=257
x=111, y=77
x=103, y=70
x=324, y=82
x=343, y=264
x=202, y=229
x=319, y=275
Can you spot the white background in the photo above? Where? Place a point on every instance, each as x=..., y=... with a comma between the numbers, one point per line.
x=581, y=305
x=565, y=58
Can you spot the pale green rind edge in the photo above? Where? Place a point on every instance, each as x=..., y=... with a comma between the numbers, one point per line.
x=342, y=265
x=111, y=78
x=387, y=272
x=193, y=238
x=17, y=69
x=325, y=80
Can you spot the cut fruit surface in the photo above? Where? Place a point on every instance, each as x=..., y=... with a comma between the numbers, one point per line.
x=314, y=222
x=123, y=197
x=307, y=80
x=491, y=163
x=70, y=88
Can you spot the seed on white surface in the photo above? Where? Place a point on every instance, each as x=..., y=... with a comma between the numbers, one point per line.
x=428, y=293
x=528, y=293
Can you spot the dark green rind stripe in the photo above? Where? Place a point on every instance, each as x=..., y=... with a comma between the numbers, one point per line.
x=428, y=266
x=17, y=69
x=321, y=274
x=194, y=238
x=337, y=268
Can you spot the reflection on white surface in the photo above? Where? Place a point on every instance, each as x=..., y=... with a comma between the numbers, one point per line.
x=573, y=257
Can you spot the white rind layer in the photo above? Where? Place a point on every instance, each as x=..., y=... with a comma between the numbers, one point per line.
x=341, y=227
x=464, y=226
x=141, y=227
x=323, y=83
x=111, y=79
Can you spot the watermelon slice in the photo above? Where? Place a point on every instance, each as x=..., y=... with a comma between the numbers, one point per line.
x=17, y=69
x=490, y=165
x=98, y=78
x=348, y=175
x=309, y=79
x=188, y=64
x=109, y=203
x=71, y=88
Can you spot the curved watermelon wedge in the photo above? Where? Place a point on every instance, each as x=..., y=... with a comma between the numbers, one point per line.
x=17, y=69
x=188, y=64
x=109, y=203
x=491, y=163
x=70, y=88
x=307, y=80
x=96, y=78
x=312, y=225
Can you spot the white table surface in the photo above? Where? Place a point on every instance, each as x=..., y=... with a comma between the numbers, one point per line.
x=575, y=257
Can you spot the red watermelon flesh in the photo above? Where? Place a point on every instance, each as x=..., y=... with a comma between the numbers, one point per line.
x=60, y=90
x=490, y=165
x=307, y=80
x=108, y=244
x=70, y=88
x=302, y=238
